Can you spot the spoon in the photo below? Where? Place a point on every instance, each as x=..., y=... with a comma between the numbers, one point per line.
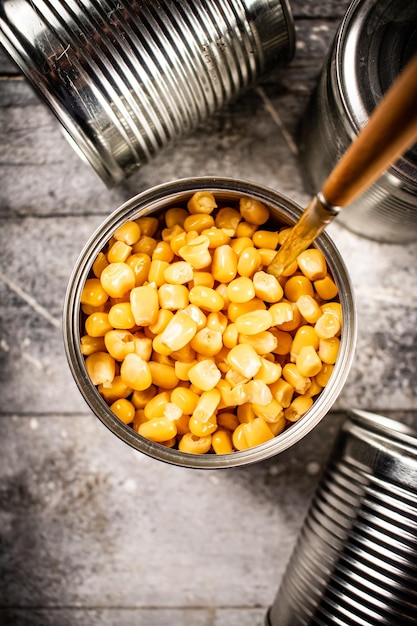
x=390, y=131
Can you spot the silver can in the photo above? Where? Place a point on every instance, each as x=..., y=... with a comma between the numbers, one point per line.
x=355, y=560
x=155, y=202
x=375, y=40
x=126, y=78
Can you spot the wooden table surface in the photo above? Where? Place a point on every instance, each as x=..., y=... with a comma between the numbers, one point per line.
x=92, y=532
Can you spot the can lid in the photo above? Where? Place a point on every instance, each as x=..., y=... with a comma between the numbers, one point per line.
x=375, y=41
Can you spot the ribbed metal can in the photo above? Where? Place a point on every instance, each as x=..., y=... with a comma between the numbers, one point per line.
x=127, y=77
x=374, y=41
x=355, y=561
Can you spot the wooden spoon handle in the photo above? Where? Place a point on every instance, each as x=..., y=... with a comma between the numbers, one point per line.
x=390, y=131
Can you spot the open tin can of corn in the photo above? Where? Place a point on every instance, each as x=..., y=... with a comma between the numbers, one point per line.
x=185, y=347
x=374, y=42
x=356, y=555
x=126, y=78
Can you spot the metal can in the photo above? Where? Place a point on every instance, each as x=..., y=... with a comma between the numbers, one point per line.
x=356, y=556
x=127, y=77
x=153, y=202
x=374, y=41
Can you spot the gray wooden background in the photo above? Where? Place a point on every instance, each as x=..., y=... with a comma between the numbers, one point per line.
x=92, y=532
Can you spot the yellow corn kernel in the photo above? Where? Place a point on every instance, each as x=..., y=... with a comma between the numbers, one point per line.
x=217, y=321
x=135, y=372
x=267, y=287
x=201, y=202
x=236, y=309
x=206, y=298
x=297, y=286
x=145, y=245
x=183, y=424
x=173, y=297
x=178, y=241
x=159, y=348
x=234, y=377
x=284, y=342
x=257, y=432
x=99, y=264
x=230, y=336
x=101, y=368
x=196, y=252
x=265, y=239
x=258, y=392
x=121, y=316
x=283, y=234
x=156, y=405
x=305, y=336
x=156, y=272
x=185, y=399
x=277, y=427
x=314, y=389
x=178, y=273
x=282, y=391
x=138, y=419
x=162, y=252
x=118, y=252
x=253, y=211
x=141, y=398
x=269, y=371
x=254, y=322
x=312, y=264
x=308, y=362
x=263, y=343
x=271, y=412
x=97, y=324
x=329, y=349
x=191, y=444
x=185, y=354
x=326, y=288
x=239, y=438
x=175, y=216
x=249, y=261
x=245, y=229
x=143, y=346
x=309, y=309
x=179, y=331
x=221, y=289
x=140, y=264
x=221, y=442
x=168, y=234
x=196, y=314
x=163, y=317
x=216, y=236
x=158, y=429
x=182, y=368
x=228, y=218
x=191, y=235
x=291, y=374
x=224, y=265
x=239, y=244
x=267, y=256
x=323, y=376
x=289, y=325
x=291, y=269
x=198, y=222
x=207, y=342
x=93, y=293
x=148, y=225
x=244, y=360
x=117, y=279
x=240, y=290
x=202, y=428
x=327, y=326
x=282, y=312
x=204, y=374
x=227, y=420
x=89, y=345
x=165, y=359
x=124, y=410
x=298, y=407
x=163, y=375
x=115, y=390
x=245, y=413
x=335, y=308
x=172, y=412
x=206, y=406
x=119, y=343
x=203, y=279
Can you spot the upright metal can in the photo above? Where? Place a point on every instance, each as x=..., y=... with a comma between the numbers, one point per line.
x=374, y=41
x=127, y=77
x=355, y=561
